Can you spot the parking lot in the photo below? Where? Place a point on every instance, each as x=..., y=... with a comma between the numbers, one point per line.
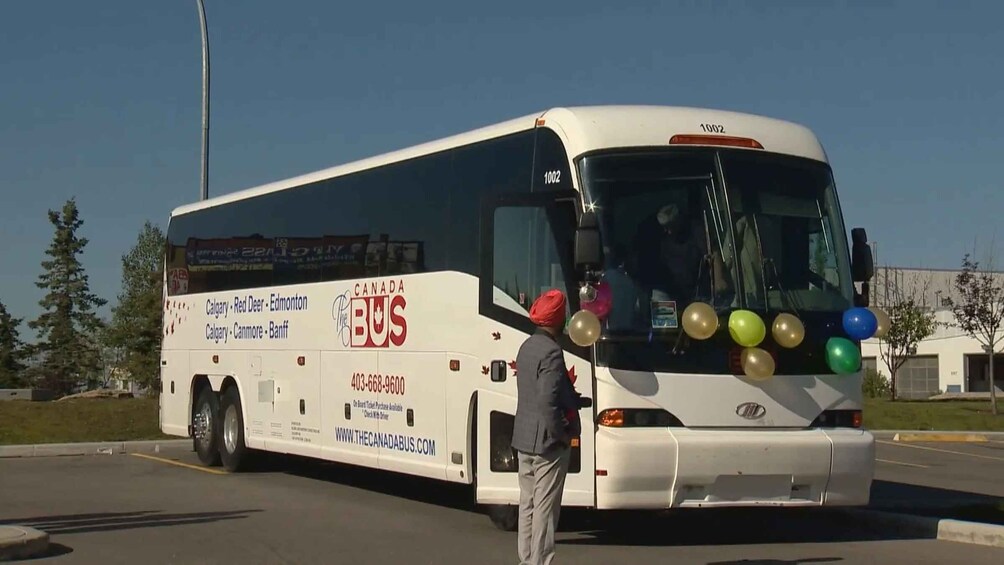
x=133, y=509
x=937, y=474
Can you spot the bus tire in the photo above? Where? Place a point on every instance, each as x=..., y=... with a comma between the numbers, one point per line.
x=233, y=451
x=504, y=516
x=206, y=427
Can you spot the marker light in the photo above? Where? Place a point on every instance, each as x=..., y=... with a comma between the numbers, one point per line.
x=611, y=418
x=724, y=140
x=637, y=418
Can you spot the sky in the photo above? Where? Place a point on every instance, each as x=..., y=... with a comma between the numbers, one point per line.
x=101, y=101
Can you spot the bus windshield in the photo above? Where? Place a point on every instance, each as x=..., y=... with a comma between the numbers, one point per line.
x=734, y=228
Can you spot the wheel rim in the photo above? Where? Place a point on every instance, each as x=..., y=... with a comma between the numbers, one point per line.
x=205, y=425
x=230, y=429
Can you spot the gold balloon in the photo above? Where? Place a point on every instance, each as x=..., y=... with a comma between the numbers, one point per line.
x=883, y=322
x=584, y=328
x=700, y=320
x=757, y=364
x=788, y=331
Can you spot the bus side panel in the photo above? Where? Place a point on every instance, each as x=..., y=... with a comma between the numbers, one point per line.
x=348, y=426
x=413, y=413
x=460, y=387
x=296, y=408
x=175, y=398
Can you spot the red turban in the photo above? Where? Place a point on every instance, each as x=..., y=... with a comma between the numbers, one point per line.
x=549, y=310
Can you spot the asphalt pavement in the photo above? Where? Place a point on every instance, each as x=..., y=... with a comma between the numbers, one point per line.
x=937, y=474
x=154, y=509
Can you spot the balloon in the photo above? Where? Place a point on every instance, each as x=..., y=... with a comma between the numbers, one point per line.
x=842, y=355
x=860, y=323
x=757, y=364
x=601, y=302
x=746, y=328
x=883, y=322
x=788, y=331
x=700, y=320
x=584, y=328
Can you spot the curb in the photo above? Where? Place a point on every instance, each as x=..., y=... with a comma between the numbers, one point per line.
x=944, y=529
x=941, y=437
x=90, y=448
x=21, y=542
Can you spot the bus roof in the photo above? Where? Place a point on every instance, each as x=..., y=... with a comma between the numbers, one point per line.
x=583, y=129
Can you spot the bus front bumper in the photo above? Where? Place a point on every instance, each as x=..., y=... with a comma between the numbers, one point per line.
x=659, y=468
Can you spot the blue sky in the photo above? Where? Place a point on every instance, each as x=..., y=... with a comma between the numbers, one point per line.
x=101, y=100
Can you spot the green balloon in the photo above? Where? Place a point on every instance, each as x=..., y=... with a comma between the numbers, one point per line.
x=746, y=328
x=842, y=355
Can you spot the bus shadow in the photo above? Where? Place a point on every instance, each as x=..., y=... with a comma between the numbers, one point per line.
x=890, y=495
x=418, y=489
x=720, y=526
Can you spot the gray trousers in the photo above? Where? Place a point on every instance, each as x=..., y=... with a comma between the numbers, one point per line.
x=541, y=484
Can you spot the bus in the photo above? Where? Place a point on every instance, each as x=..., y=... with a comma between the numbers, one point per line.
x=370, y=313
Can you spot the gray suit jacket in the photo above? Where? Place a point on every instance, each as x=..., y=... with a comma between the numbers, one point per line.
x=544, y=394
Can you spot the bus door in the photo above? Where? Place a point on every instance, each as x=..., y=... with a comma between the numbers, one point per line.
x=527, y=248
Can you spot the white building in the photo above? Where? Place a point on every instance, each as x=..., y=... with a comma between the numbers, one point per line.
x=947, y=362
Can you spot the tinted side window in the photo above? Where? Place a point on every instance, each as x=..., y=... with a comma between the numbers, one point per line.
x=499, y=166
x=384, y=222
x=410, y=217
x=530, y=254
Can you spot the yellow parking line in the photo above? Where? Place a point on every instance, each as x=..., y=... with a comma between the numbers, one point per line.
x=942, y=450
x=180, y=464
x=901, y=463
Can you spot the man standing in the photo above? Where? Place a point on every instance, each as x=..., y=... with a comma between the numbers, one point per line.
x=546, y=421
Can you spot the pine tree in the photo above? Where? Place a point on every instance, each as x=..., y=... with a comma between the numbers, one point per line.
x=68, y=327
x=11, y=351
x=136, y=329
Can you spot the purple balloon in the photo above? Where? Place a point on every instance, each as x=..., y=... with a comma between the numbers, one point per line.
x=604, y=300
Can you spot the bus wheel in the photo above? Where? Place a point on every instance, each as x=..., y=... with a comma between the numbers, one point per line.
x=504, y=516
x=205, y=427
x=233, y=451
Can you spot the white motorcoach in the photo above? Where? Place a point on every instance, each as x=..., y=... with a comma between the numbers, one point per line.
x=371, y=313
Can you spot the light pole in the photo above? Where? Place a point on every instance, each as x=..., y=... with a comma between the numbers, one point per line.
x=204, y=193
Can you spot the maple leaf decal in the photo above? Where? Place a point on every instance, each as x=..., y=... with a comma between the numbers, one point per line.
x=512, y=365
x=378, y=316
x=485, y=370
x=571, y=374
x=496, y=336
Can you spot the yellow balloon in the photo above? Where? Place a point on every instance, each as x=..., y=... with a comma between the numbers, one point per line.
x=757, y=364
x=746, y=328
x=788, y=331
x=700, y=320
x=584, y=328
x=883, y=322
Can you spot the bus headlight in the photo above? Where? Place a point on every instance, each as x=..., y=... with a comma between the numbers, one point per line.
x=637, y=418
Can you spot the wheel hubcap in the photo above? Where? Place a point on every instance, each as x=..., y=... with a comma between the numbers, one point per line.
x=230, y=429
x=202, y=424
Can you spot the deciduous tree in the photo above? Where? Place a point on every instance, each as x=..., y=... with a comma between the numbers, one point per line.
x=979, y=310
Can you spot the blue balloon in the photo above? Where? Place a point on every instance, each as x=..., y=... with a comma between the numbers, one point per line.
x=860, y=323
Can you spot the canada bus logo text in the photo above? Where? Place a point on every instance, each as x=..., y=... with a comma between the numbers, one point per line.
x=371, y=315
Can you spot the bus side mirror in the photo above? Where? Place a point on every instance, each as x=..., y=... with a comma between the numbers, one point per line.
x=587, y=242
x=862, y=265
